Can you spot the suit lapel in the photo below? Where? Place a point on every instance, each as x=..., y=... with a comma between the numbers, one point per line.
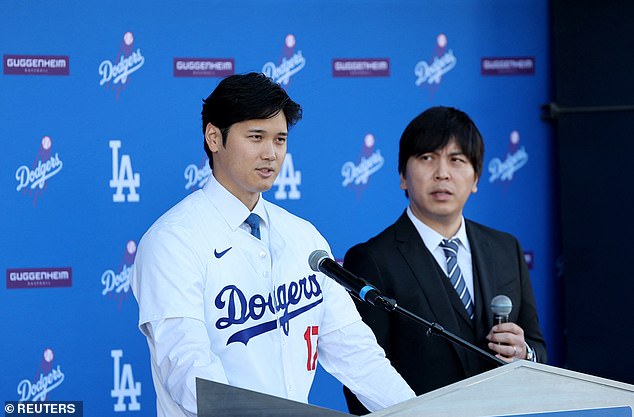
x=428, y=276
x=484, y=268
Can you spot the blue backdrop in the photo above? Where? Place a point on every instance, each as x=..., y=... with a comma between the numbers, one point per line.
x=100, y=106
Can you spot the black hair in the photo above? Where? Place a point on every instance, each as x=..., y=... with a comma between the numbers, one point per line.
x=243, y=97
x=433, y=129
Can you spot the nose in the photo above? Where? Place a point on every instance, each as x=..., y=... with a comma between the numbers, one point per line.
x=268, y=151
x=442, y=170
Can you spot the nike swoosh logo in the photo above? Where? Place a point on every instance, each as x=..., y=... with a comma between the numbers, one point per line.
x=221, y=254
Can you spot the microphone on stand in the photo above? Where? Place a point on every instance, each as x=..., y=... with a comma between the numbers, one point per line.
x=501, y=306
x=320, y=261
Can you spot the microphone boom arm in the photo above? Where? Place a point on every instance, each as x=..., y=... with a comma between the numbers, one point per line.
x=390, y=305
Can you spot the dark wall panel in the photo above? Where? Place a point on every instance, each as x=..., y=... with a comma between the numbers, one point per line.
x=593, y=79
x=597, y=201
x=593, y=43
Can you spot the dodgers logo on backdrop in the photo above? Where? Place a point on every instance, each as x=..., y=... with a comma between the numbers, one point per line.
x=123, y=176
x=128, y=61
x=293, y=299
x=124, y=386
x=46, y=165
x=47, y=378
x=441, y=63
x=196, y=176
x=290, y=63
x=515, y=159
x=369, y=162
x=117, y=284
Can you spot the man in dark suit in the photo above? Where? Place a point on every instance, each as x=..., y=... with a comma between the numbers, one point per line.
x=442, y=267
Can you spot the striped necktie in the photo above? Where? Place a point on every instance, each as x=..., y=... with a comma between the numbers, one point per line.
x=450, y=247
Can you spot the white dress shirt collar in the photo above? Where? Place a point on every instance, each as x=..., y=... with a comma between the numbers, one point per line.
x=432, y=238
x=230, y=207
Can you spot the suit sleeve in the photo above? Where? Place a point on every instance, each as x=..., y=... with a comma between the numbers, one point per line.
x=527, y=318
x=359, y=261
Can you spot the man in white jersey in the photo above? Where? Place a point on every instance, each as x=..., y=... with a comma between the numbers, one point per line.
x=222, y=279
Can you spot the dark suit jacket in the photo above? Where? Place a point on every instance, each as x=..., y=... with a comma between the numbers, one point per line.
x=398, y=263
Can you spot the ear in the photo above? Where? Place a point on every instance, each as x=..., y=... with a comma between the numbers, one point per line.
x=213, y=137
x=403, y=182
x=474, y=189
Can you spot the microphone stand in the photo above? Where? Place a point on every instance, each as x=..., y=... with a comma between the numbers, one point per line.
x=390, y=305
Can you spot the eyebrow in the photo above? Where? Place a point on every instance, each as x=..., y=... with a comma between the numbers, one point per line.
x=437, y=152
x=281, y=133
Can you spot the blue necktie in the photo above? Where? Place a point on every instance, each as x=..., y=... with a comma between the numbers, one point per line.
x=450, y=247
x=254, y=223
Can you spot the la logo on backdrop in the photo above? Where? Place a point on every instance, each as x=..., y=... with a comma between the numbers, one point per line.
x=291, y=62
x=124, y=386
x=357, y=174
x=47, y=378
x=116, y=282
x=115, y=74
x=33, y=179
x=123, y=176
x=431, y=72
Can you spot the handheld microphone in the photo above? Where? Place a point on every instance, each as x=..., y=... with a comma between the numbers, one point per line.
x=320, y=261
x=501, y=306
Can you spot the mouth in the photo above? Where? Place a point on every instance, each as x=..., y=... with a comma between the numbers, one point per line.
x=266, y=172
x=441, y=194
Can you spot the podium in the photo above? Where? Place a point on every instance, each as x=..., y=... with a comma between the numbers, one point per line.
x=517, y=388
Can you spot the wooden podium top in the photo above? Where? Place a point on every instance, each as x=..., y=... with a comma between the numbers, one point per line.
x=520, y=387
x=517, y=388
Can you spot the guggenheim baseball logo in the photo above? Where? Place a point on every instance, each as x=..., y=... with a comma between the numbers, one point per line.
x=524, y=65
x=203, y=67
x=371, y=67
x=20, y=278
x=36, y=65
